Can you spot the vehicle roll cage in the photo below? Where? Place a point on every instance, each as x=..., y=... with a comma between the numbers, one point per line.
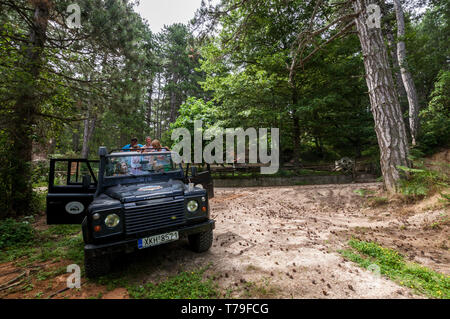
x=140, y=149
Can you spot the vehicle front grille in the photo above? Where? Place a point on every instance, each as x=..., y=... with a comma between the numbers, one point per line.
x=150, y=217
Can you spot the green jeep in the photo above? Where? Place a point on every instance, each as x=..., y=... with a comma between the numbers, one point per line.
x=136, y=200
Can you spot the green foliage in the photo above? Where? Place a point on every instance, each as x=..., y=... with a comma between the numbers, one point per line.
x=363, y=192
x=436, y=116
x=15, y=233
x=393, y=265
x=56, y=242
x=421, y=181
x=185, y=285
x=39, y=171
x=252, y=86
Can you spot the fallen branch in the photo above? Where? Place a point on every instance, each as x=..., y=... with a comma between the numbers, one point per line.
x=11, y=283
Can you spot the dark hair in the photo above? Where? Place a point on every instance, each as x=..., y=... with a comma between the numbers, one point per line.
x=134, y=139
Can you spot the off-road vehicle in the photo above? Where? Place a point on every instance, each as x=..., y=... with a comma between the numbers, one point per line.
x=130, y=200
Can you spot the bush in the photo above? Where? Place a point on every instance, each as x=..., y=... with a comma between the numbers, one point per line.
x=39, y=171
x=435, y=118
x=13, y=232
x=421, y=181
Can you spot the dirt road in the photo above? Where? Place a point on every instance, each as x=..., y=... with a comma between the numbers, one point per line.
x=287, y=238
x=283, y=242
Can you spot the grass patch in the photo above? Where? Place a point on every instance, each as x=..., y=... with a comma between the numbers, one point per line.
x=363, y=192
x=377, y=201
x=28, y=246
x=393, y=265
x=185, y=285
x=14, y=233
x=260, y=290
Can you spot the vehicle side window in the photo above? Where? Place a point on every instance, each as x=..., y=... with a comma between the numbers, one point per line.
x=70, y=172
x=78, y=169
x=61, y=173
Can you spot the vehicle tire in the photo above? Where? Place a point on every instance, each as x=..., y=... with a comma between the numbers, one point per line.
x=96, y=266
x=201, y=242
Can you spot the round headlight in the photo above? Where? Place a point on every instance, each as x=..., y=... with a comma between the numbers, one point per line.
x=192, y=206
x=112, y=220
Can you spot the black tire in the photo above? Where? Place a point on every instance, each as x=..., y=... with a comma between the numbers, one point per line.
x=96, y=266
x=201, y=242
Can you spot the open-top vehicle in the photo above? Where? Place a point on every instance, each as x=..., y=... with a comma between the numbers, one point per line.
x=136, y=200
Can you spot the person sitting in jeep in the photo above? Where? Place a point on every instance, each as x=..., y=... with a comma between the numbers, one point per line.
x=156, y=145
x=133, y=144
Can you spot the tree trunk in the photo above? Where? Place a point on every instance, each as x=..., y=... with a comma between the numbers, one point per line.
x=76, y=138
x=389, y=125
x=149, y=107
x=296, y=125
x=398, y=77
x=408, y=82
x=24, y=113
x=89, y=127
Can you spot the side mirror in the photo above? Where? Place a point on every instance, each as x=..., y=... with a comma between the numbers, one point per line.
x=193, y=171
x=86, y=181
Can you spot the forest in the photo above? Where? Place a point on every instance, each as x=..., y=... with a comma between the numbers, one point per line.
x=354, y=94
x=334, y=86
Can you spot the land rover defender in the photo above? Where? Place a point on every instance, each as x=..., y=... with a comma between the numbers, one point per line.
x=130, y=200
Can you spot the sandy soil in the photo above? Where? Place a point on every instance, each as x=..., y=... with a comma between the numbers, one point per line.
x=282, y=242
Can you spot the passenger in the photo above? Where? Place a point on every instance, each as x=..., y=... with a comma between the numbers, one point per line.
x=156, y=145
x=134, y=142
x=148, y=144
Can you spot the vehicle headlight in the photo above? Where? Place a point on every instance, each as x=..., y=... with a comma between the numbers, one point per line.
x=112, y=220
x=192, y=206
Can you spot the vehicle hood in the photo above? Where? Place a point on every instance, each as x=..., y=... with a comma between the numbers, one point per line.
x=145, y=191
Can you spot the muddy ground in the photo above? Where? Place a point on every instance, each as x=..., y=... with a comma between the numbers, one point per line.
x=283, y=242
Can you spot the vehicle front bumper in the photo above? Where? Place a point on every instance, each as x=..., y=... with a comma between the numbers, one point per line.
x=131, y=244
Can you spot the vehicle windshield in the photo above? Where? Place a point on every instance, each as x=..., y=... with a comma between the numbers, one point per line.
x=136, y=163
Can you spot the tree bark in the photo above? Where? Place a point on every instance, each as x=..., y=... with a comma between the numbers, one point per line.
x=296, y=131
x=89, y=127
x=25, y=109
x=398, y=77
x=408, y=82
x=149, y=105
x=389, y=125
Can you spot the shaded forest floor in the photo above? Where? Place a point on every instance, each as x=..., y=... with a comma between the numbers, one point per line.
x=280, y=242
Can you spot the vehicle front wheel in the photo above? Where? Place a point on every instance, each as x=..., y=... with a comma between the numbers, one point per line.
x=96, y=266
x=201, y=242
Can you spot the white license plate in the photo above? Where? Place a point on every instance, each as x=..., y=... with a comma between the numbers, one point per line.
x=157, y=240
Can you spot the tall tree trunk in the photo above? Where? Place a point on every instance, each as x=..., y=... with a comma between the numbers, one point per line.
x=389, y=125
x=173, y=100
x=89, y=127
x=24, y=112
x=296, y=131
x=398, y=77
x=408, y=82
x=149, y=106
x=76, y=138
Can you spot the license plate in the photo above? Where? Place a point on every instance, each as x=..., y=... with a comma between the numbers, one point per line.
x=157, y=240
